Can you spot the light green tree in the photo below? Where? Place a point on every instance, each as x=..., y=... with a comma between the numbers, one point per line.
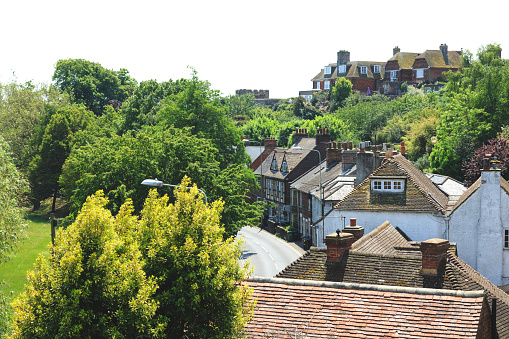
x=200, y=293
x=92, y=285
x=342, y=89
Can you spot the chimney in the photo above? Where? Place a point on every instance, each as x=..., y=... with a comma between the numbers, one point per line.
x=301, y=132
x=343, y=57
x=270, y=144
x=337, y=243
x=365, y=165
x=433, y=252
x=322, y=140
x=354, y=229
x=396, y=50
x=333, y=154
x=445, y=53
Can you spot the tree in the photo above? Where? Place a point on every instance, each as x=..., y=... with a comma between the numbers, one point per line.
x=92, y=285
x=200, y=293
x=12, y=188
x=55, y=147
x=23, y=108
x=118, y=165
x=497, y=148
x=199, y=108
x=341, y=90
x=91, y=84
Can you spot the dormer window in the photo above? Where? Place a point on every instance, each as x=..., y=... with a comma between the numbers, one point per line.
x=376, y=68
x=327, y=70
x=342, y=69
x=273, y=165
x=364, y=70
x=284, y=166
x=387, y=185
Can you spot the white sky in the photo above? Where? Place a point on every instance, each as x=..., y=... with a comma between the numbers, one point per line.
x=275, y=45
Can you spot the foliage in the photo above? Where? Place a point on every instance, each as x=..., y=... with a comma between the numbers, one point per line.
x=421, y=134
x=119, y=164
x=261, y=128
x=340, y=92
x=92, y=285
x=497, y=148
x=22, y=107
x=91, y=84
x=232, y=185
x=303, y=109
x=142, y=107
x=240, y=107
x=198, y=108
x=55, y=147
x=404, y=87
x=200, y=292
x=12, y=187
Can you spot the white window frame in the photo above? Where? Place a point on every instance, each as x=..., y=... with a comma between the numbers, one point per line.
x=341, y=69
x=284, y=167
x=376, y=68
x=326, y=84
x=419, y=73
x=327, y=70
x=364, y=70
x=318, y=85
x=506, y=238
x=394, y=75
x=388, y=186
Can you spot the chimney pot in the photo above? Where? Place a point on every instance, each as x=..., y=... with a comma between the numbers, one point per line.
x=354, y=229
x=353, y=221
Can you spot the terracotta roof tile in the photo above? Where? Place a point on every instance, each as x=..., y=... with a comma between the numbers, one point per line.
x=292, y=308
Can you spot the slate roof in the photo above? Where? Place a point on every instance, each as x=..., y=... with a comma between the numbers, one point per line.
x=435, y=59
x=405, y=60
x=420, y=193
x=288, y=308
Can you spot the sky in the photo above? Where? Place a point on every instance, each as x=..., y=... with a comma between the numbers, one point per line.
x=272, y=45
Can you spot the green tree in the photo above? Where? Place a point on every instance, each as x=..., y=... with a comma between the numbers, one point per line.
x=23, y=108
x=92, y=285
x=55, y=147
x=421, y=133
x=12, y=187
x=340, y=92
x=118, y=165
x=199, y=108
x=200, y=293
x=91, y=84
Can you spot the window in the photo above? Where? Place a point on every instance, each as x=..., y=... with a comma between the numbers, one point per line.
x=506, y=238
x=342, y=69
x=318, y=85
x=419, y=73
x=388, y=186
x=273, y=165
x=326, y=85
x=394, y=75
x=364, y=70
x=376, y=68
x=327, y=70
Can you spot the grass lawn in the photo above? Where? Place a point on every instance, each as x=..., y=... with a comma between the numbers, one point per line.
x=13, y=272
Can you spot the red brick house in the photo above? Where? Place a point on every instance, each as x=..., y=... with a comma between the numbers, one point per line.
x=398, y=70
x=364, y=75
x=432, y=65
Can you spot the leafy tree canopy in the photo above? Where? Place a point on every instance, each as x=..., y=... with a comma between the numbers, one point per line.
x=91, y=84
x=340, y=92
x=498, y=148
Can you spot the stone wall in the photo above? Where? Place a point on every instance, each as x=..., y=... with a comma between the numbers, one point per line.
x=258, y=94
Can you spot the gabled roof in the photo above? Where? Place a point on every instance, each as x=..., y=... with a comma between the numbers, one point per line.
x=288, y=308
x=383, y=240
x=353, y=71
x=420, y=193
x=435, y=58
x=405, y=60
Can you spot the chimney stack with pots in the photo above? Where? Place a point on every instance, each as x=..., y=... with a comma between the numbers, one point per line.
x=333, y=153
x=354, y=229
x=337, y=244
x=396, y=50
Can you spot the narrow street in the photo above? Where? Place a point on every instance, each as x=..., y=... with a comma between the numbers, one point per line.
x=267, y=253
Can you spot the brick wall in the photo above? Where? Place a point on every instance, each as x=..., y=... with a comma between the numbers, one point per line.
x=362, y=85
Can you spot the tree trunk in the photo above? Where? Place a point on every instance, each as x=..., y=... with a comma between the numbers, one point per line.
x=53, y=204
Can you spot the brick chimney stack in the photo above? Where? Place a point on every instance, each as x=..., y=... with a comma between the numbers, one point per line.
x=396, y=50
x=301, y=132
x=433, y=252
x=354, y=229
x=270, y=144
x=343, y=57
x=337, y=243
x=322, y=141
x=333, y=153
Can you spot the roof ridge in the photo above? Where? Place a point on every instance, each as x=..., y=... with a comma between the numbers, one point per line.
x=371, y=234
x=381, y=288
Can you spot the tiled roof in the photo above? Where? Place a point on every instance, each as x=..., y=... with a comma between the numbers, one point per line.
x=383, y=240
x=420, y=193
x=353, y=71
x=435, y=58
x=463, y=277
x=289, y=308
x=405, y=59
x=475, y=186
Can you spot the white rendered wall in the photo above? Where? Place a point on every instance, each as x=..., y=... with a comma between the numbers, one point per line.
x=418, y=226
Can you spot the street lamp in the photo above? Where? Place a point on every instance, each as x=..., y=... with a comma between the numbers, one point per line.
x=320, y=192
x=159, y=183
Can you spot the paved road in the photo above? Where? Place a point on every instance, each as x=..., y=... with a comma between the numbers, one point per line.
x=267, y=253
